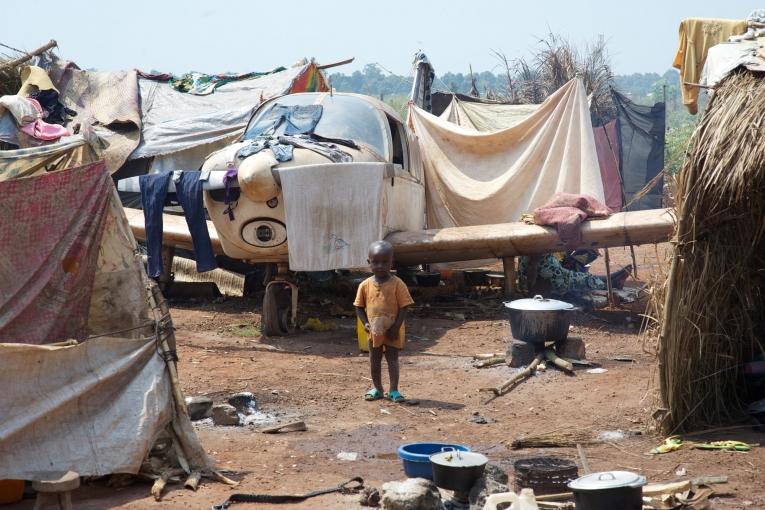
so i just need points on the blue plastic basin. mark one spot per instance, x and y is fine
(416, 457)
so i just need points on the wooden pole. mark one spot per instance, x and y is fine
(42, 49)
(508, 265)
(608, 280)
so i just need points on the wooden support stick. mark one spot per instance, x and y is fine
(220, 477)
(505, 387)
(295, 426)
(558, 362)
(634, 262)
(508, 265)
(192, 482)
(583, 459)
(42, 49)
(497, 360)
(161, 481)
(608, 280)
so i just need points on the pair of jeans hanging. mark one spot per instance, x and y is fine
(188, 191)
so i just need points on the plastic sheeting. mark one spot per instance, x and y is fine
(106, 102)
(333, 213)
(97, 407)
(94, 408)
(641, 133)
(70, 151)
(487, 116)
(607, 145)
(483, 178)
(174, 121)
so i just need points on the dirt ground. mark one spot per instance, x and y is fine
(320, 378)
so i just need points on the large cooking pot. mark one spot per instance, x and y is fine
(456, 470)
(539, 320)
(608, 490)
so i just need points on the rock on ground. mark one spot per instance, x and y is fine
(225, 415)
(493, 481)
(244, 402)
(199, 408)
(411, 494)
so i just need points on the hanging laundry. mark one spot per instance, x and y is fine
(566, 211)
(40, 129)
(297, 120)
(201, 84)
(189, 195)
(54, 111)
(697, 35)
(22, 109)
(328, 150)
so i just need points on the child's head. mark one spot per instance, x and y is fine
(380, 257)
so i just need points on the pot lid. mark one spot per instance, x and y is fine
(607, 480)
(450, 457)
(539, 303)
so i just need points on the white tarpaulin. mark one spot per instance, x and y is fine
(174, 121)
(477, 178)
(333, 214)
(486, 116)
(94, 408)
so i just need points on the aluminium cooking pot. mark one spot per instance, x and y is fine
(608, 490)
(539, 320)
(456, 470)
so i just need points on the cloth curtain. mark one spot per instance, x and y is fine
(475, 178)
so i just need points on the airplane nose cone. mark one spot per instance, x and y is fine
(255, 178)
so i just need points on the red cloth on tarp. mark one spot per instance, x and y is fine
(607, 147)
(50, 233)
(566, 211)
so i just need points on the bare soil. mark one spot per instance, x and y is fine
(321, 377)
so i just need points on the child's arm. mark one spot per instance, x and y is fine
(361, 313)
(392, 332)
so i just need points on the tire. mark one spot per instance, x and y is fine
(277, 310)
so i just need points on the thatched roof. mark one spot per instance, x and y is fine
(712, 320)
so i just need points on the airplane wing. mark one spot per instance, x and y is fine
(471, 243)
(513, 239)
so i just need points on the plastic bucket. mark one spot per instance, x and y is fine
(416, 457)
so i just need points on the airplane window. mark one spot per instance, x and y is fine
(398, 145)
(344, 117)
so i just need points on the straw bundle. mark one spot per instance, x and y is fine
(712, 315)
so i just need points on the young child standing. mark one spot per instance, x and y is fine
(381, 303)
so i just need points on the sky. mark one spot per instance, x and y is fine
(241, 36)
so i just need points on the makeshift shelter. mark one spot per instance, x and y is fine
(87, 364)
(641, 136)
(630, 147)
(711, 321)
(179, 130)
(475, 178)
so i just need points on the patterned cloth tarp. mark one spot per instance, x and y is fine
(69, 268)
(50, 234)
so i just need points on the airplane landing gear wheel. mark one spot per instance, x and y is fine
(277, 309)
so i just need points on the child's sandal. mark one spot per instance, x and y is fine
(395, 396)
(373, 394)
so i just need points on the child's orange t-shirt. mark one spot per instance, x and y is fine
(382, 303)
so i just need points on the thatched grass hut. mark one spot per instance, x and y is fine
(713, 310)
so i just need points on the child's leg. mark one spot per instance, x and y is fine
(391, 356)
(375, 365)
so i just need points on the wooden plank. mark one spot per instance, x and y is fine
(175, 231)
(508, 266)
(513, 239)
